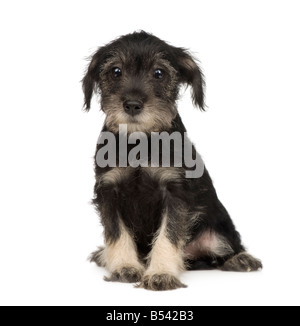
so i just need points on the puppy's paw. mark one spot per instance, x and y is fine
(242, 262)
(98, 257)
(161, 282)
(126, 275)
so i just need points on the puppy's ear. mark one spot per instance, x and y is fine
(91, 78)
(191, 74)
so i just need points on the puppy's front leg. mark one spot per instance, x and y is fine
(165, 259)
(121, 258)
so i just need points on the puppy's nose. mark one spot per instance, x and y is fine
(133, 107)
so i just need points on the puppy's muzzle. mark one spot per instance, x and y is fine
(133, 107)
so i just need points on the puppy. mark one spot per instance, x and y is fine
(158, 220)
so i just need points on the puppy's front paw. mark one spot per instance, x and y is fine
(161, 282)
(126, 275)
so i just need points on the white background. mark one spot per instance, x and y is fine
(249, 139)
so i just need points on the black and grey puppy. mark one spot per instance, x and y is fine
(156, 221)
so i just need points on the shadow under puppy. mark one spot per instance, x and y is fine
(156, 221)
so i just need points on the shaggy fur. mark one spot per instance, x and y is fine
(156, 222)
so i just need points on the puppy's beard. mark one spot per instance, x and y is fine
(114, 119)
(151, 119)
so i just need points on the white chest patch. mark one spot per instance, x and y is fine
(116, 175)
(165, 175)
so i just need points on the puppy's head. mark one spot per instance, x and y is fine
(138, 77)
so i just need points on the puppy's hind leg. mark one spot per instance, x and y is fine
(219, 252)
(242, 262)
(98, 257)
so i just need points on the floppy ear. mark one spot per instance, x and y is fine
(191, 74)
(91, 78)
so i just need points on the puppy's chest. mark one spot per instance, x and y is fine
(140, 179)
(140, 191)
(140, 196)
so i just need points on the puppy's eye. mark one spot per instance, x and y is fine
(158, 74)
(116, 72)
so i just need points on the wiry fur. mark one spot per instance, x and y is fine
(156, 221)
